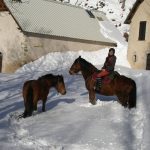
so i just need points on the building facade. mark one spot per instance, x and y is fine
(56, 28)
(139, 36)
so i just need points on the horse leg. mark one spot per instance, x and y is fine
(92, 98)
(35, 107)
(44, 99)
(43, 106)
(35, 101)
(25, 114)
(122, 99)
(132, 97)
(125, 101)
(28, 100)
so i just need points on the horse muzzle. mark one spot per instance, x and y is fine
(71, 72)
(63, 93)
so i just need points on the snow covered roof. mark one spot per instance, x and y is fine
(57, 19)
(133, 11)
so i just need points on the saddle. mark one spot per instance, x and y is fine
(105, 80)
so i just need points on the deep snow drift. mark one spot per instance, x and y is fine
(70, 122)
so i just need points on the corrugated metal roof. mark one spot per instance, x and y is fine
(55, 18)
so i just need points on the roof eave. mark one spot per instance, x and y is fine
(103, 43)
(19, 27)
(133, 11)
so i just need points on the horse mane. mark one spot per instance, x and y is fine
(87, 65)
(54, 78)
(47, 76)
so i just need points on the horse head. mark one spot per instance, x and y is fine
(81, 64)
(76, 66)
(60, 86)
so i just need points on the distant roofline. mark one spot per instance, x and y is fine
(63, 3)
(133, 11)
(70, 5)
(28, 34)
(105, 43)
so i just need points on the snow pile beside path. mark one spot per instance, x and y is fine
(59, 60)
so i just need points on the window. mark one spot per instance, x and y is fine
(134, 58)
(90, 13)
(100, 19)
(142, 30)
(148, 62)
(1, 59)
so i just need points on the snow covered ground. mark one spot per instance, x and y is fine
(70, 122)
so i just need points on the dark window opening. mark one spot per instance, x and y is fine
(90, 13)
(100, 19)
(142, 30)
(1, 59)
(148, 62)
(134, 58)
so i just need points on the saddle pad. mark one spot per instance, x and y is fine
(107, 79)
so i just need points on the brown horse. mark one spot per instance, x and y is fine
(123, 87)
(35, 90)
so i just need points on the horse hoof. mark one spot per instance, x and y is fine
(93, 103)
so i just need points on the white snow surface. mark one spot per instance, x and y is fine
(70, 121)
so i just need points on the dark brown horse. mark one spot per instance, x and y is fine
(35, 90)
(123, 87)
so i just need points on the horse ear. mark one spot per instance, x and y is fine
(58, 77)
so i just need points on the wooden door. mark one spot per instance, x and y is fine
(148, 62)
(1, 60)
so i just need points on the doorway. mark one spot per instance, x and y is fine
(148, 62)
(1, 60)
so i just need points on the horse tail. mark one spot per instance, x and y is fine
(29, 101)
(132, 96)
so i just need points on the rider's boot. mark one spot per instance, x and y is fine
(98, 84)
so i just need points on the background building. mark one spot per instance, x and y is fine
(49, 26)
(139, 37)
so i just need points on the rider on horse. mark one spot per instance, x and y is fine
(106, 69)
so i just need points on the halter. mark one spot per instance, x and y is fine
(59, 78)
